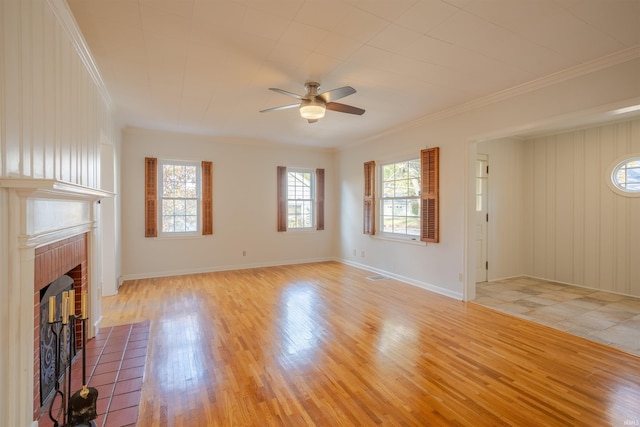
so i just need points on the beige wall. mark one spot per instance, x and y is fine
(449, 266)
(244, 206)
(579, 230)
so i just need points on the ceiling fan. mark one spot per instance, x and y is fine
(313, 104)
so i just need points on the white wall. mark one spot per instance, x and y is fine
(550, 103)
(244, 206)
(581, 232)
(52, 114)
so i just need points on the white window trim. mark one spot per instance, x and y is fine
(610, 175)
(380, 233)
(180, 234)
(314, 207)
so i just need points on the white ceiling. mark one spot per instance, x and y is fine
(205, 66)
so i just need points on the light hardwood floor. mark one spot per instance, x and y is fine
(319, 344)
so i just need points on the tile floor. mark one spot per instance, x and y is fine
(603, 317)
(116, 360)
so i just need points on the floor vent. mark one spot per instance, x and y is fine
(376, 278)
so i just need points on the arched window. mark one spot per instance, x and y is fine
(625, 176)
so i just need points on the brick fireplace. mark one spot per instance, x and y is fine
(48, 228)
(68, 256)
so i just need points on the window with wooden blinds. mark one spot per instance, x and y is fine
(282, 198)
(369, 220)
(429, 163)
(320, 199)
(207, 198)
(150, 197)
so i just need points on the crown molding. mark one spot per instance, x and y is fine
(64, 16)
(607, 61)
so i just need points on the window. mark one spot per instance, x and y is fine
(179, 185)
(410, 202)
(625, 176)
(300, 199)
(400, 198)
(178, 196)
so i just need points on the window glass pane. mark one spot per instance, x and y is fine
(414, 187)
(190, 189)
(167, 207)
(399, 225)
(402, 170)
(180, 207)
(167, 223)
(387, 189)
(191, 223)
(633, 187)
(414, 169)
(401, 188)
(387, 207)
(633, 175)
(387, 224)
(414, 206)
(191, 207)
(413, 226)
(179, 223)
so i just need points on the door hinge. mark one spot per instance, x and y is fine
(486, 265)
(487, 169)
(487, 217)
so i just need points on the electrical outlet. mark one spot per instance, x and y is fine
(362, 254)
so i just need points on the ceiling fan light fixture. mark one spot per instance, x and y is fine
(312, 109)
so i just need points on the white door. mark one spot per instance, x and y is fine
(482, 216)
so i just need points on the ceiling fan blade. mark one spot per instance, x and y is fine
(284, 107)
(335, 94)
(343, 108)
(285, 92)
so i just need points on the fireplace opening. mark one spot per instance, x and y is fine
(48, 341)
(67, 257)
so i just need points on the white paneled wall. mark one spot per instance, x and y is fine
(53, 112)
(580, 231)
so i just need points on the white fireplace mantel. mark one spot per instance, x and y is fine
(38, 212)
(53, 188)
(49, 210)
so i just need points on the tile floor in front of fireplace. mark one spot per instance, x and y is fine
(116, 360)
(604, 317)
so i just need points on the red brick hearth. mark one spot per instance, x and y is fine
(68, 256)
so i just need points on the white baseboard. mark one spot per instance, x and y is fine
(427, 286)
(222, 268)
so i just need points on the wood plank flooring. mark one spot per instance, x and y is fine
(320, 345)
